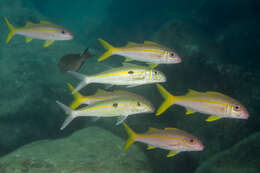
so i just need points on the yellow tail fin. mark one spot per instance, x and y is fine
(78, 98)
(132, 136)
(109, 52)
(169, 100)
(12, 30)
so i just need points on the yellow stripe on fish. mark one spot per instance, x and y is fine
(149, 52)
(169, 142)
(44, 31)
(215, 104)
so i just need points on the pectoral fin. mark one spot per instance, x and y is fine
(48, 43)
(189, 111)
(212, 118)
(172, 153)
(149, 147)
(151, 65)
(28, 39)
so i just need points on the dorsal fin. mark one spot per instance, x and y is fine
(151, 43)
(45, 22)
(154, 44)
(130, 44)
(192, 92)
(100, 91)
(170, 128)
(153, 130)
(29, 24)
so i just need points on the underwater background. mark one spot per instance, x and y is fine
(219, 44)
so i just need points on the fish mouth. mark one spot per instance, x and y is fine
(71, 36)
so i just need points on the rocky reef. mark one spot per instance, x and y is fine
(87, 151)
(242, 157)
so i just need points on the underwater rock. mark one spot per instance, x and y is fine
(86, 151)
(242, 157)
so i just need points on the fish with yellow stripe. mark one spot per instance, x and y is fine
(150, 52)
(130, 75)
(44, 31)
(100, 95)
(121, 107)
(215, 104)
(172, 139)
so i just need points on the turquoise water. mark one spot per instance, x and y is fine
(217, 41)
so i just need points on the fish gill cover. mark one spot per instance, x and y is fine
(217, 41)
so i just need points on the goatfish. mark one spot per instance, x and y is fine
(150, 52)
(129, 74)
(122, 107)
(171, 139)
(100, 95)
(44, 31)
(215, 104)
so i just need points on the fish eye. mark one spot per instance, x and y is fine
(63, 32)
(155, 72)
(172, 54)
(191, 140)
(138, 104)
(237, 108)
(130, 72)
(115, 105)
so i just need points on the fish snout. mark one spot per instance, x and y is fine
(71, 36)
(244, 114)
(175, 60)
(199, 146)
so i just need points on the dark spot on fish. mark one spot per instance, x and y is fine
(130, 72)
(138, 104)
(63, 32)
(115, 105)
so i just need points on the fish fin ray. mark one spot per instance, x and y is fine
(47, 43)
(132, 136)
(151, 129)
(100, 91)
(128, 60)
(121, 119)
(69, 111)
(84, 80)
(189, 111)
(172, 153)
(45, 22)
(192, 92)
(170, 128)
(109, 52)
(130, 44)
(149, 147)
(169, 99)
(29, 24)
(151, 65)
(28, 39)
(12, 30)
(213, 118)
(78, 98)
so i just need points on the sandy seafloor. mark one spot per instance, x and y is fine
(218, 42)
